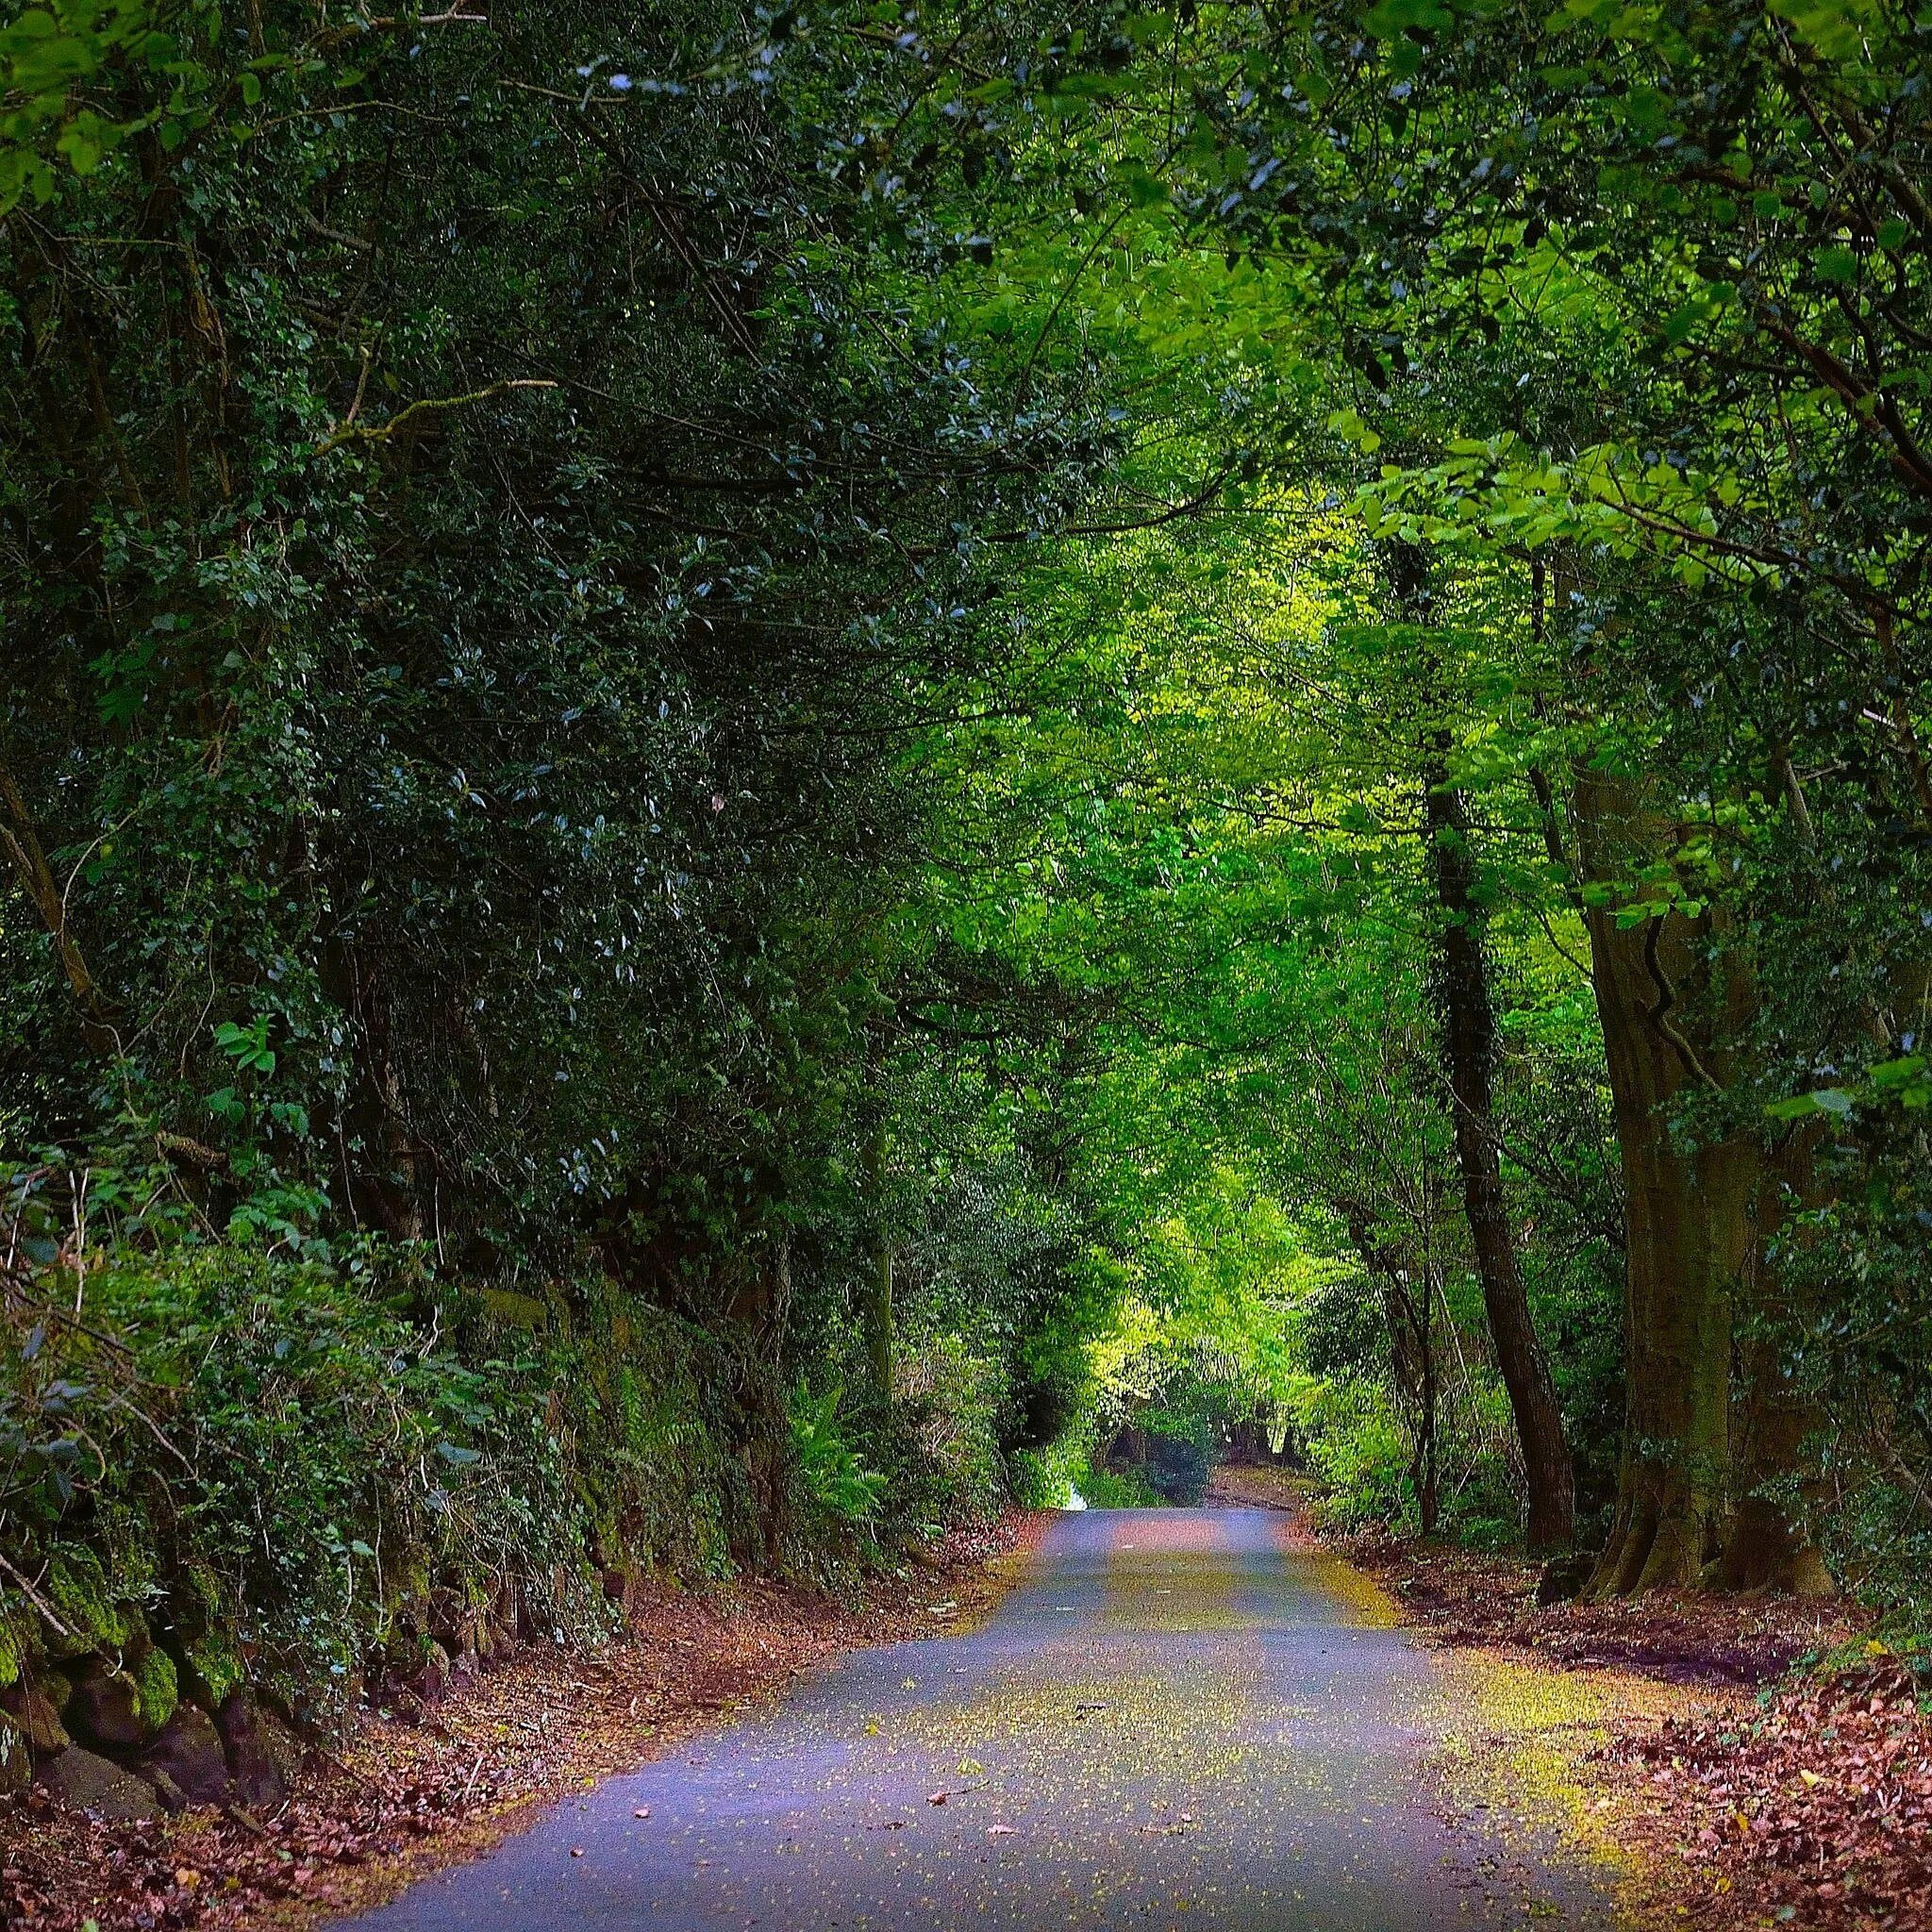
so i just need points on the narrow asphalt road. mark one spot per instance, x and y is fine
(1171, 1723)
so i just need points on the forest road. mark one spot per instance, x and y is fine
(1170, 1723)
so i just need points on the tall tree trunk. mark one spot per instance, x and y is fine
(1469, 1053)
(1692, 1207)
(1764, 1547)
(1426, 1472)
(1469, 1042)
(760, 1308)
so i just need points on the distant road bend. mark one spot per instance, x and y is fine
(1168, 1723)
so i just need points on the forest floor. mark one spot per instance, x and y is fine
(1753, 1761)
(407, 1793)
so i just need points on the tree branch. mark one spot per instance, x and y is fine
(358, 432)
(23, 846)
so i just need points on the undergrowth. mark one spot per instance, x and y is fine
(220, 1466)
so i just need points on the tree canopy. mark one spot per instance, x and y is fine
(894, 746)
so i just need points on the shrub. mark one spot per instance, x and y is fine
(1112, 1488)
(1046, 1478)
(951, 1398)
(231, 1450)
(831, 1475)
(1356, 1447)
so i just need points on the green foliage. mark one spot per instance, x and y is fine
(277, 1457)
(1046, 1478)
(675, 657)
(1355, 1443)
(457, 689)
(1102, 1488)
(56, 65)
(832, 1476)
(939, 1444)
(312, 1465)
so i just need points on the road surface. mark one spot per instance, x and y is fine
(1168, 1724)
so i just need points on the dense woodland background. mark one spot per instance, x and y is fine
(764, 775)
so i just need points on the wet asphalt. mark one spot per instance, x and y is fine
(1168, 1723)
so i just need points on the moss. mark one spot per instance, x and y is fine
(217, 1665)
(203, 1587)
(78, 1591)
(1530, 1740)
(515, 1311)
(14, 1650)
(156, 1685)
(409, 1595)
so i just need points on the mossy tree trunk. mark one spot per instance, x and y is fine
(1772, 1415)
(1764, 1547)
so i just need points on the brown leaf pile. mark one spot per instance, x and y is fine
(417, 1787)
(1814, 1809)
(1681, 1637)
(1260, 1486)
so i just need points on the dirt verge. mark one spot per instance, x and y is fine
(412, 1791)
(1260, 1486)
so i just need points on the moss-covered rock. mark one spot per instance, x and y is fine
(419, 1491)
(34, 1704)
(77, 1588)
(202, 1640)
(16, 1646)
(215, 1667)
(120, 1709)
(157, 1685)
